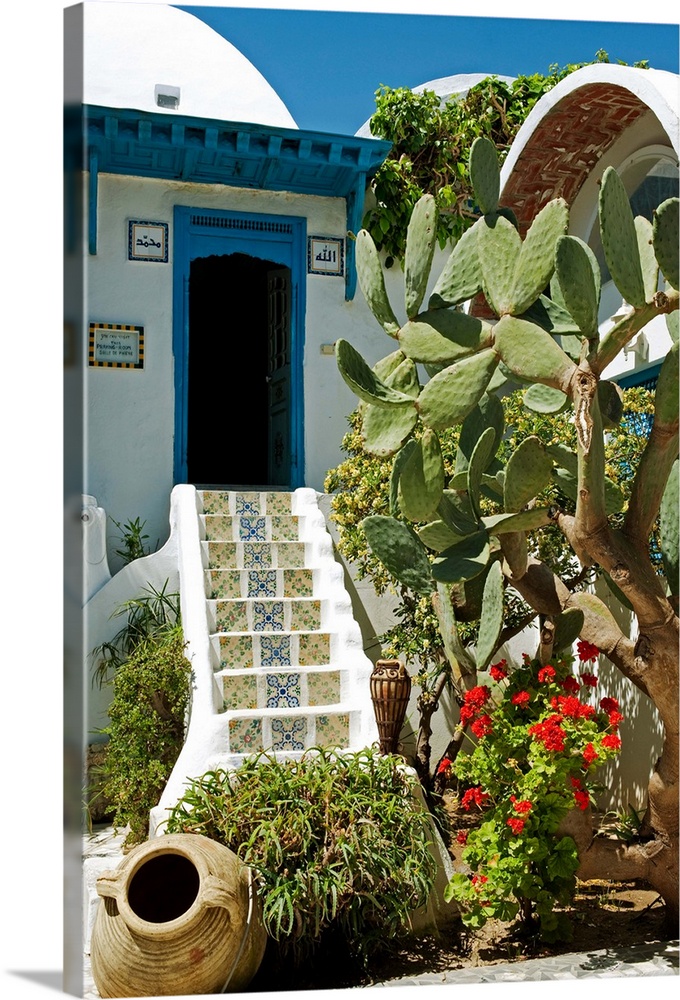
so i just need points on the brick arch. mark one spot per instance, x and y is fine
(565, 146)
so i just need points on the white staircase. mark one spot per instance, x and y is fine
(277, 655)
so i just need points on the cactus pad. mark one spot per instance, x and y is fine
(610, 401)
(421, 237)
(384, 431)
(524, 520)
(461, 276)
(363, 381)
(526, 474)
(669, 527)
(665, 237)
(483, 453)
(448, 398)
(400, 551)
(491, 618)
(648, 262)
(536, 262)
(576, 269)
(499, 246)
(619, 238)
(372, 283)
(531, 353)
(544, 399)
(463, 560)
(668, 389)
(568, 627)
(422, 479)
(485, 174)
(442, 336)
(487, 413)
(437, 536)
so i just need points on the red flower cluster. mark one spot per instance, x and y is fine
(611, 741)
(498, 671)
(474, 701)
(589, 755)
(549, 733)
(590, 680)
(581, 796)
(611, 707)
(516, 825)
(586, 651)
(571, 684)
(479, 880)
(546, 674)
(571, 707)
(521, 699)
(482, 726)
(474, 796)
(523, 806)
(462, 836)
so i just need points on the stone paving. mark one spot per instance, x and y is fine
(102, 850)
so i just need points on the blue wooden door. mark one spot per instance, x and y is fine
(239, 333)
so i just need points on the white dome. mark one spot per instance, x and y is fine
(131, 48)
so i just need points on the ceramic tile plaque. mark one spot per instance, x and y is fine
(113, 345)
(148, 241)
(325, 255)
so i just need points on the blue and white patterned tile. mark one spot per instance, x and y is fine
(268, 616)
(262, 583)
(252, 529)
(283, 691)
(248, 504)
(289, 734)
(256, 555)
(275, 651)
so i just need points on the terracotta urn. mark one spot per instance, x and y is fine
(390, 692)
(180, 915)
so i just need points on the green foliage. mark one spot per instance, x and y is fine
(431, 143)
(133, 538)
(153, 615)
(340, 843)
(151, 691)
(539, 735)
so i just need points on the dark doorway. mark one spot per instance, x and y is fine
(228, 403)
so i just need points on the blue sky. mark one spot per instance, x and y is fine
(327, 64)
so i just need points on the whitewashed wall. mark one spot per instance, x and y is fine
(130, 414)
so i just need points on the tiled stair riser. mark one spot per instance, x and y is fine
(272, 650)
(249, 615)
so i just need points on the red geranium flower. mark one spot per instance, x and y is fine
(498, 671)
(473, 796)
(614, 719)
(612, 741)
(571, 684)
(482, 726)
(516, 825)
(609, 704)
(589, 755)
(462, 836)
(479, 880)
(524, 806)
(587, 651)
(444, 765)
(521, 699)
(549, 733)
(581, 798)
(590, 680)
(546, 674)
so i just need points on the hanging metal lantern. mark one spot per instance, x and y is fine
(390, 691)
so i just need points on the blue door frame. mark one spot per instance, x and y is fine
(201, 232)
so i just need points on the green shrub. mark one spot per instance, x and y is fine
(339, 840)
(151, 691)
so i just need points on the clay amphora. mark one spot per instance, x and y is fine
(180, 915)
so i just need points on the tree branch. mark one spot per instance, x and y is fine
(650, 482)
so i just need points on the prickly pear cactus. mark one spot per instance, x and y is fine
(545, 292)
